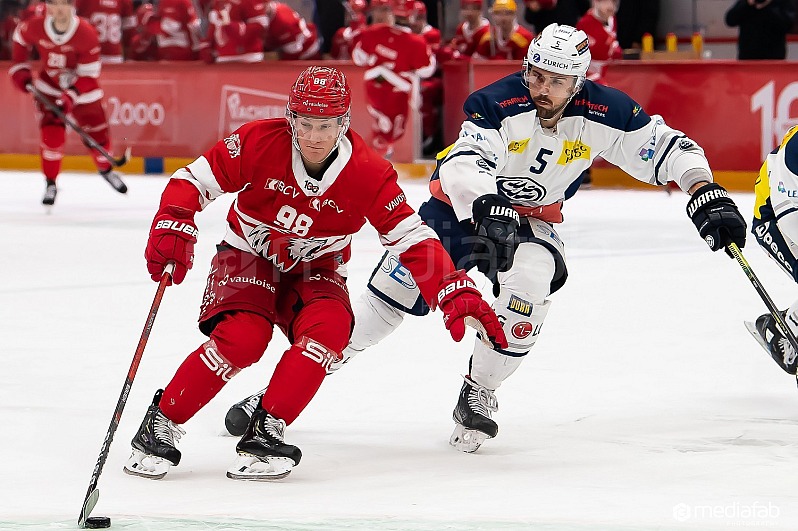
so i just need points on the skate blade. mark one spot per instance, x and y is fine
(146, 466)
(751, 326)
(247, 467)
(467, 440)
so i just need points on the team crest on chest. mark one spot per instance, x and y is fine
(286, 250)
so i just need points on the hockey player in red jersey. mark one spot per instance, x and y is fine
(599, 25)
(70, 69)
(235, 32)
(305, 184)
(344, 38)
(471, 29)
(115, 23)
(506, 40)
(290, 35)
(420, 26)
(396, 60)
(169, 31)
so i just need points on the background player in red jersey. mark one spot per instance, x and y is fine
(115, 23)
(396, 60)
(169, 31)
(305, 184)
(507, 39)
(344, 38)
(290, 35)
(472, 27)
(235, 32)
(599, 25)
(70, 69)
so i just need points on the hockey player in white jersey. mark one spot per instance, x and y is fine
(497, 194)
(775, 227)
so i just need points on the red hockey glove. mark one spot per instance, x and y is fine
(22, 79)
(458, 298)
(172, 238)
(67, 101)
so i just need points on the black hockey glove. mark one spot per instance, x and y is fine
(497, 234)
(716, 217)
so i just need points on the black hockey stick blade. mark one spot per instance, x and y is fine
(88, 507)
(121, 161)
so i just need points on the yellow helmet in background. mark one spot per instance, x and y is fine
(504, 5)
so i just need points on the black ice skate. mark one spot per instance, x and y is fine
(472, 415)
(263, 455)
(237, 418)
(114, 180)
(768, 334)
(154, 448)
(50, 191)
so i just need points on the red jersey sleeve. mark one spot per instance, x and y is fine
(88, 65)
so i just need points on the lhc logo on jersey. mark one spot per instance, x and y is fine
(520, 189)
(285, 250)
(233, 145)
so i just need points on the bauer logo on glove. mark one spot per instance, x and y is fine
(177, 226)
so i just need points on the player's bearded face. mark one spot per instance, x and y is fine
(550, 92)
(316, 137)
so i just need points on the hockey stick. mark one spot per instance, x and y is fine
(89, 141)
(737, 254)
(93, 493)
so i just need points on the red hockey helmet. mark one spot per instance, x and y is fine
(320, 92)
(380, 3)
(476, 3)
(358, 6)
(402, 8)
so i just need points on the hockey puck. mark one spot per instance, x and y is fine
(98, 522)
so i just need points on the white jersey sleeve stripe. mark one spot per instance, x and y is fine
(407, 233)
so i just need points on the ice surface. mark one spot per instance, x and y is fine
(644, 405)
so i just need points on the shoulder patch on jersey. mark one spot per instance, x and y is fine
(233, 144)
(572, 151)
(518, 146)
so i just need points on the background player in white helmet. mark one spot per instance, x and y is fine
(497, 195)
(775, 227)
(305, 184)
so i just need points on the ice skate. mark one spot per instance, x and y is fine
(154, 450)
(262, 453)
(767, 333)
(114, 180)
(472, 417)
(237, 418)
(50, 191)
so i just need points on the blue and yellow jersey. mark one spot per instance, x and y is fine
(776, 186)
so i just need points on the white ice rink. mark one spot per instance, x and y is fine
(644, 405)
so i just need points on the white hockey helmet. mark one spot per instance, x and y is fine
(560, 49)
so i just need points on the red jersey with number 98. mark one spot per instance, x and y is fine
(298, 222)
